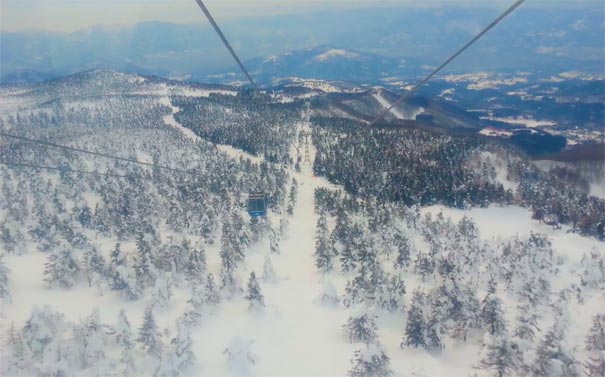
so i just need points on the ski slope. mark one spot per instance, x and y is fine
(294, 335)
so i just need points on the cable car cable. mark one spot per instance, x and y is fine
(12, 164)
(508, 11)
(72, 149)
(225, 41)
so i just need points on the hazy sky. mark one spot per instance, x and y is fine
(70, 15)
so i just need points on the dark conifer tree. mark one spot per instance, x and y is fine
(361, 328)
(371, 362)
(253, 293)
(491, 310)
(149, 336)
(61, 269)
(415, 328)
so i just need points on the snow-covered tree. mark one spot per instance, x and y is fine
(415, 328)
(404, 249)
(253, 293)
(41, 329)
(274, 241)
(161, 292)
(93, 264)
(179, 356)
(491, 310)
(361, 328)
(323, 250)
(553, 358)
(93, 336)
(5, 296)
(211, 295)
(370, 362)
(269, 275)
(61, 269)
(19, 360)
(124, 280)
(145, 260)
(498, 355)
(527, 323)
(595, 345)
(435, 328)
(196, 269)
(123, 340)
(149, 336)
(230, 254)
(328, 295)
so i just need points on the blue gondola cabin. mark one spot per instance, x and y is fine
(257, 205)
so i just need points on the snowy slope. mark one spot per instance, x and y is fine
(294, 334)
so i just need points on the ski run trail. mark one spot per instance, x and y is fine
(292, 335)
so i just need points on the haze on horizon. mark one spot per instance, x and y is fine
(73, 15)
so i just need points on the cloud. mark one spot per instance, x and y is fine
(553, 51)
(580, 25)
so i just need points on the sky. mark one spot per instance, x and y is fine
(72, 15)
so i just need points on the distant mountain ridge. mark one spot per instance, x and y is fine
(364, 44)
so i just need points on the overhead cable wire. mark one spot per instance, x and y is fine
(508, 11)
(225, 41)
(72, 149)
(66, 170)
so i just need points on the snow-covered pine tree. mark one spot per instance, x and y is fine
(161, 292)
(595, 341)
(253, 293)
(196, 268)
(40, 329)
(123, 340)
(434, 328)
(274, 241)
(94, 343)
(595, 345)
(498, 354)
(145, 261)
(323, 252)
(491, 310)
(19, 360)
(361, 328)
(117, 258)
(195, 305)
(552, 358)
(5, 296)
(393, 292)
(211, 295)
(370, 362)
(328, 295)
(415, 328)
(149, 336)
(124, 281)
(230, 255)
(61, 269)
(93, 264)
(179, 356)
(404, 249)
(424, 265)
(527, 323)
(347, 257)
(269, 275)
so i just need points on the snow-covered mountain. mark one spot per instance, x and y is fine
(328, 63)
(392, 251)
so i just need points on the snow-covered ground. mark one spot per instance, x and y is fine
(294, 335)
(523, 121)
(396, 111)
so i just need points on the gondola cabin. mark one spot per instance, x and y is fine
(257, 205)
